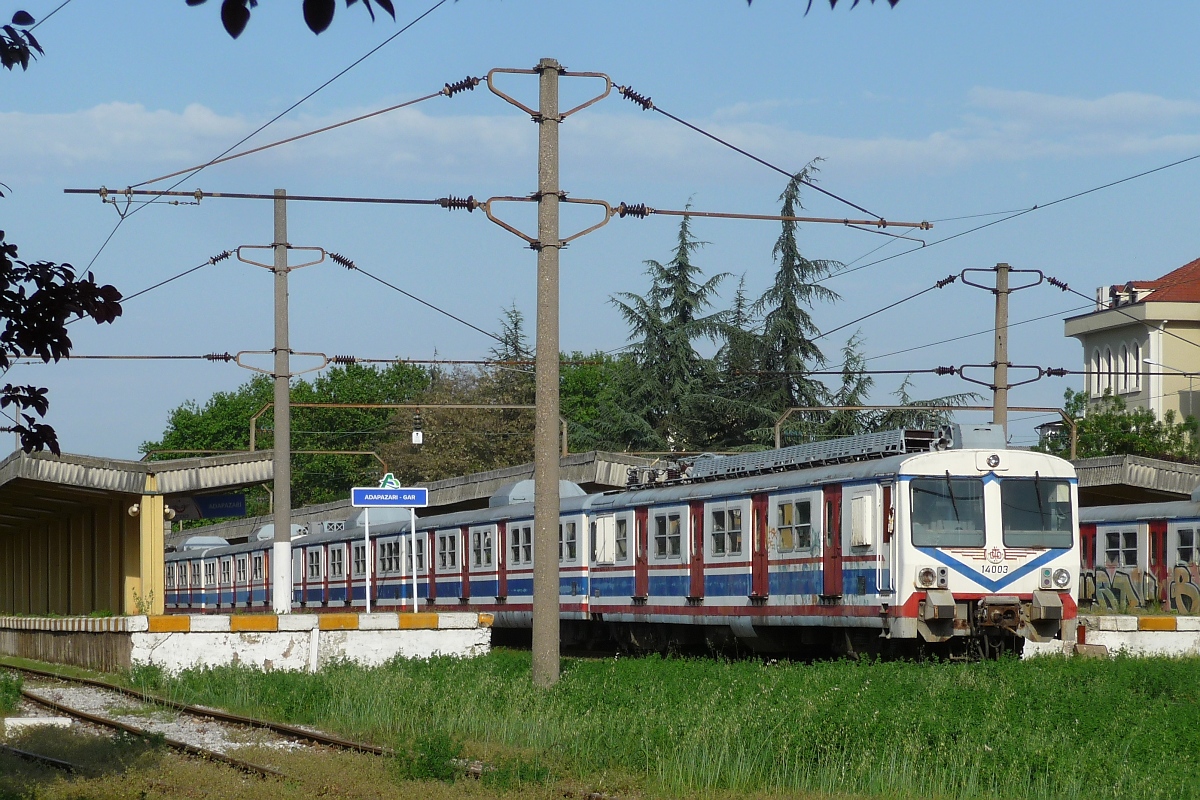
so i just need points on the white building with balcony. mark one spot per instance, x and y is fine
(1142, 342)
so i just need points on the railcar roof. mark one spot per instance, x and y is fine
(1185, 509)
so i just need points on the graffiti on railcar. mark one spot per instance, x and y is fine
(1183, 595)
(1119, 589)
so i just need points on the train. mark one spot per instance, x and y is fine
(942, 541)
(1142, 557)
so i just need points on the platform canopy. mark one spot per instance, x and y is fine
(80, 534)
(1116, 480)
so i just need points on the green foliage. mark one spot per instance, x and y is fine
(10, 691)
(436, 757)
(1109, 427)
(1010, 728)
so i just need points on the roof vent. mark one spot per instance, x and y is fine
(522, 492)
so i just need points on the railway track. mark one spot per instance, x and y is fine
(290, 733)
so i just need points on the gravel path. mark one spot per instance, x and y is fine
(220, 737)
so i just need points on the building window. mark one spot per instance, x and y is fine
(667, 537)
(1094, 379)
(1121, 549)
(170, 576)
(622, 539)
(360, 559)
(1124, 367)
(521, 545)
(1135, 367)
(795, 526)
(725, 532)
(225, 569)
(568, 542)
(448, 552)
(241, 570)
(314, 565)
(1110, 378)
(337, 563)
(257, 572)
(1186, 552)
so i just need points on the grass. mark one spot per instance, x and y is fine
(1045, 728)
(10, 691)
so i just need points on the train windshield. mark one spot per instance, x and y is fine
(1036, 512)
(947, 512)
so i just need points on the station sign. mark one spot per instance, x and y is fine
(389, 494)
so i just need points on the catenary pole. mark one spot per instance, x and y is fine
(281, 554)
(1000, 367)
(545, 438)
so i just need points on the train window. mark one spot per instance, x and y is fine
(947, 512)
(210, 573)
(226, 566)
(314, 564)
(337, 563)
(725, 531)
(862, 522)
(794, 526)
(389, 557)
(481, 547)
(1120, 548)
(360, 559)
(408, 556)
(604, 539)
(568, 542)
(622, 539)
(666, 536)
(240, 571)
(1186, 551)
(169, 577)
(257, 573)
(448, 551)
(1036, 513)
(521, 545)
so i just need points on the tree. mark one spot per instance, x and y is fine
(1109, 427)
(17, 46)
(788, 328)
(663, 325)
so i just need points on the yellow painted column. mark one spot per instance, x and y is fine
(152, 550)
(131, 563)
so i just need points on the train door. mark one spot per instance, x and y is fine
(887, 555)
(760, 585)
(501, 563)
(431, 564)
(831, 547)
(641, 556)
(1158, 557)
(464, 563)
(696, 544)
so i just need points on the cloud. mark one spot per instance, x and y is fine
(489, 152)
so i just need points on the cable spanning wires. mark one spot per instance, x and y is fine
(940, 284)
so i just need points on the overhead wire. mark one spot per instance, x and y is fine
(51, 14)
(276, 118)
(940, 284)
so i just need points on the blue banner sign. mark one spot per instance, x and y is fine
(221, 505)
(374, 497)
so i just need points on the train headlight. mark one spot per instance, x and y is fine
(926, 577)
(1062, 579)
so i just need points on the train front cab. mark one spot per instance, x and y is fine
(987, 550)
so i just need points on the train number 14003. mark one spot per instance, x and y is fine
(995, 569)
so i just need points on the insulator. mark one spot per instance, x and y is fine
(465, 85)
(1056, 372)
(945, 370)
(343, 360)
(1057, 283)
(340, 259)
(219, 357)
(638, 210)
(450, 203)
(629, 94)
(224, 255)
(949, 279)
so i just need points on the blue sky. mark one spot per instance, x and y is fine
(926, 111)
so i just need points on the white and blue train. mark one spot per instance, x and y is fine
(859, 544)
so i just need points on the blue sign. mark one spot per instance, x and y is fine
(221, 505)
(374, 497)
